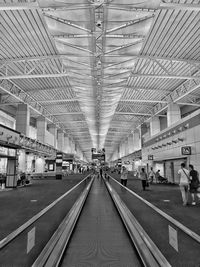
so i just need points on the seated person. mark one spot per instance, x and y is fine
(159, 178)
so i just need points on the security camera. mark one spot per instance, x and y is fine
(99, 23)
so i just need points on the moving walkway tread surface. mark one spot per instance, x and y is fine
(100, 238)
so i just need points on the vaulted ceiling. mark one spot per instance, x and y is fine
(99, 68)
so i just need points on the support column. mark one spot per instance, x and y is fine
(53, 130)
(130, 144)
(123, 149)
(70, 145)
(126, 148)
(60, 140)
(23, 119)
(66, 144)
(173, 114)
(137, 140)
(154, 125)
(41, 129)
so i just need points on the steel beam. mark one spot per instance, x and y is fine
(179, 6)
(50, 101)
(62, 56)
(67, 22)
(134, 114)
(67, 113)
(130, 23)
(58, 75)
(183, 90)
(163, 5)
(12, 89)
(19, 5)
(159, 101)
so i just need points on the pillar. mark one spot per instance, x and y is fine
(137, 140)
(60, 140)
(53, 130)
(126, 152)
(23, 119)
(41, 129)
(130, 144)
(154, 125)
(173, 114)
(67, 148)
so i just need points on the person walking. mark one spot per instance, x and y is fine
(101, 172)
(194, 183)
(151, 175)
(124, 176)
(143, 177)
(184, 176)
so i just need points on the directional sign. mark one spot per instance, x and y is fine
(98, 156)
(186, 150)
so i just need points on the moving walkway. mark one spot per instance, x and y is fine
(93, 234)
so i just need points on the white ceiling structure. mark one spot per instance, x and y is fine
(99, 68)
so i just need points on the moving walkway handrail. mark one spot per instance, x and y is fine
(20, 229)
(54, 249)
(163, 214)
(148, 251)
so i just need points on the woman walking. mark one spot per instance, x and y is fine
(194, 183)
(143, 177)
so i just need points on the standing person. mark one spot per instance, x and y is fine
(101, 172)
(157, 175)
(194, 183)
(184, 175)
(124, 176)
(151, 175)
(98, 172)
(143, 177)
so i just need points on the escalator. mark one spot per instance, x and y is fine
(100, 238)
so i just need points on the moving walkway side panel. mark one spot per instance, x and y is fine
(100, 238)
(177, 246)
(22, 247)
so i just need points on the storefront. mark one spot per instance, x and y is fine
(9, 143)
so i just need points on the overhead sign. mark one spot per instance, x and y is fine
(119, 162)
(98, 156)
(186, 150)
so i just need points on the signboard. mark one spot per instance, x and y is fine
(150, 157)
(30, 240)
(65, 163)
(173, 240)
(98, 156)
(186, 150)
(119, 162)
(59, 160)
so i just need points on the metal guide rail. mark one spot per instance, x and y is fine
(53, 252)
(150, 254)
(16, 243)
(172, 237)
